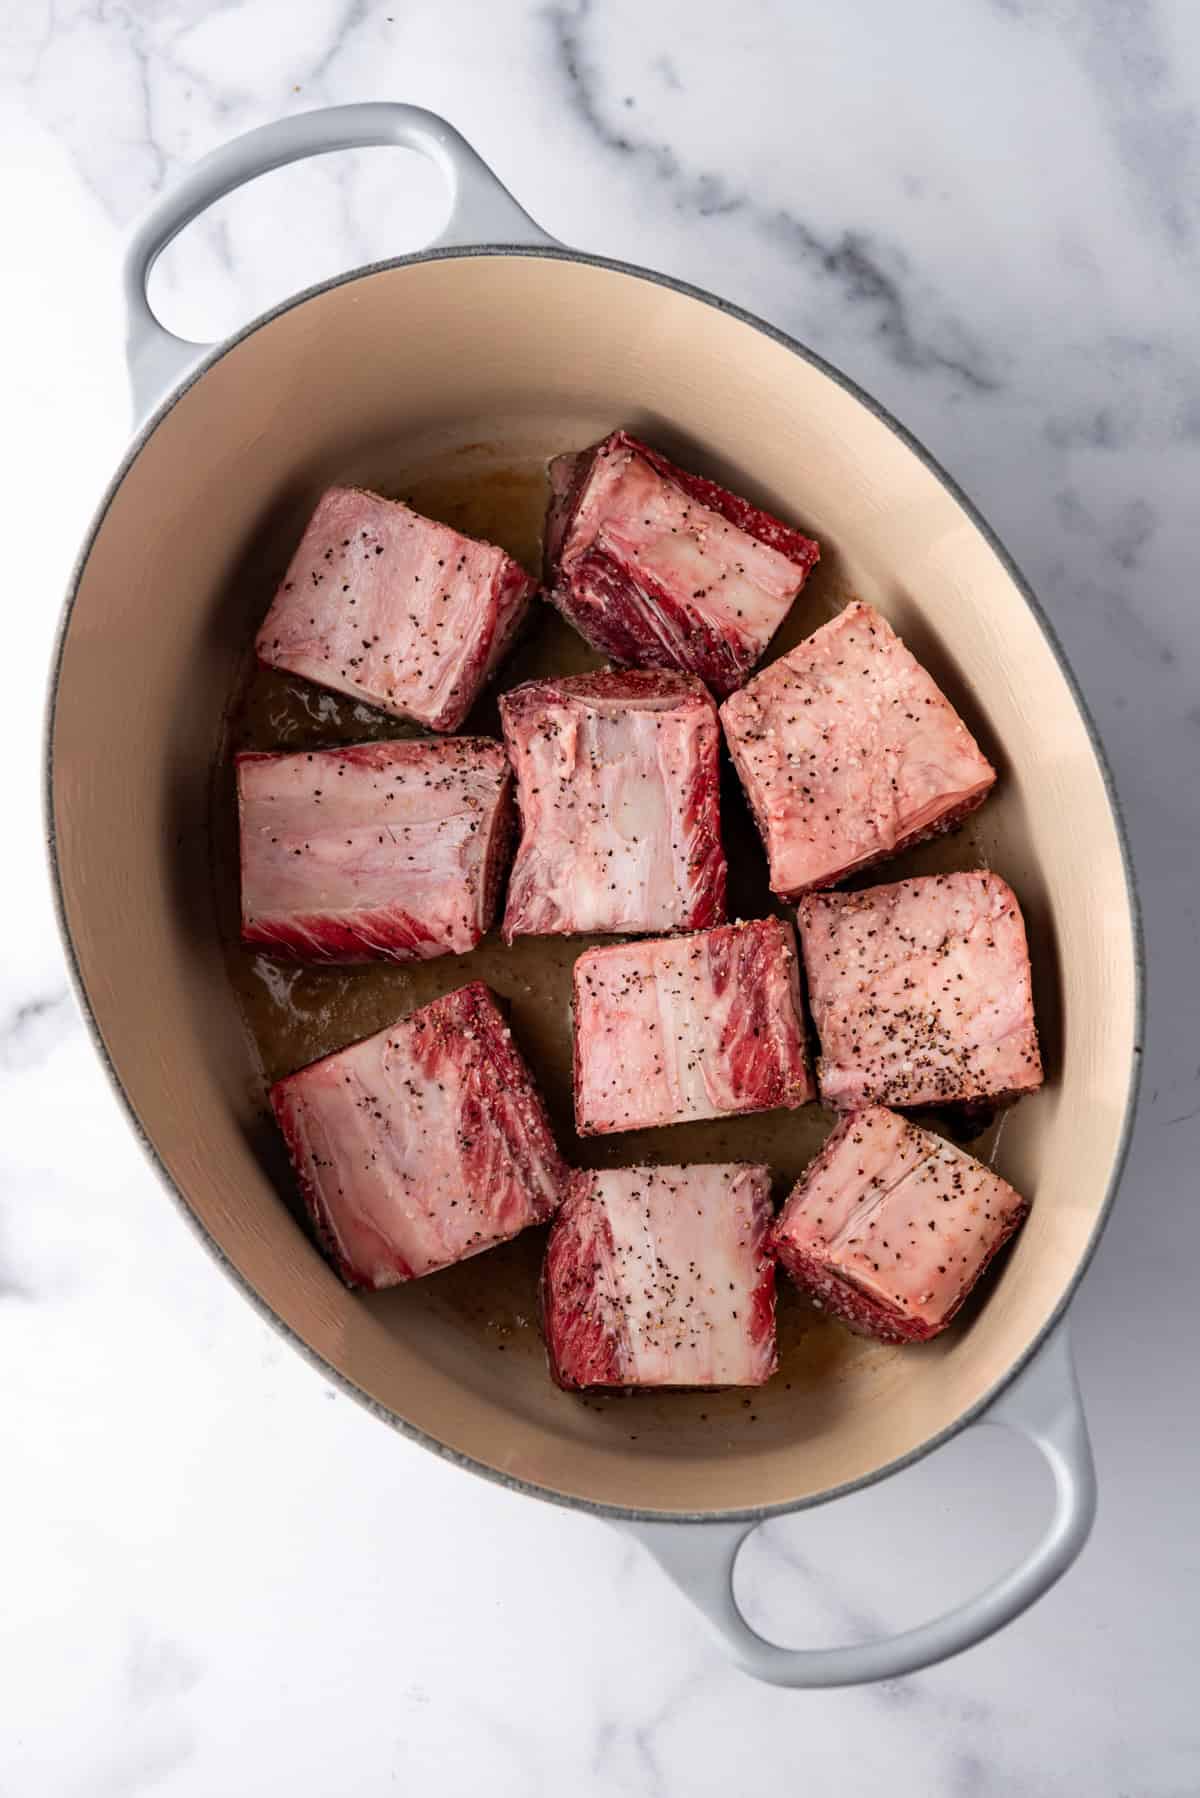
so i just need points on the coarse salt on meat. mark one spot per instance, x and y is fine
(890, 1227)
(422, 1145)
(394, 609)
(619, 798)
(849, 752)
(689, 1027)
(660, 568)
(920, 992)
(662, 1276)
(391, 850)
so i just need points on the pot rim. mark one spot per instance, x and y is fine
(625, 1513)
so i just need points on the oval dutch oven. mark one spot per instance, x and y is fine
(498, 330)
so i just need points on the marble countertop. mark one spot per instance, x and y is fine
(220, 1575)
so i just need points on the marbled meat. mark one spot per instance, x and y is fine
(421, 1145)
(662, 1276)
(619, 801)
(394, 609)
(890, 1227)
(392, 850)
(660, 568)
(921, 992)
(689, 1027)
(849, 752)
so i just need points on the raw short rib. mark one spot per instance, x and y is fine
(890, 1227)
(394, 609)
(618, 791)
(689, 1027)
(662, 1276)
(849, 752)
(421, 1145)
(659, 568)
(392, 850)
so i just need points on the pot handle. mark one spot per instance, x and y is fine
(1042, 1404)
(482, 211)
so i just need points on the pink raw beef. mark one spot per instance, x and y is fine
(391, 850)
(660, 568)
(920, 992)
(394, 609)
(890, 1227)
(662, 1276)
(421, 1145)
(618, 791)
(849, 752)
(689, 1027)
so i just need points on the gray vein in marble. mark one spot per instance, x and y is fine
(19, 55)
(1099, 425)
(141, 57)
(33, 1029)
(1121, 537)
(968, 1775)
(354, 14)
(501, 1732)
(1129, 625)
(855, 1624)
(158, 1668)
(1121, 391)
(607, 1743)
(872, 277)
(1121, 48)
(856, 262)
(57, 34)
(1116, 543)
(664, 66)
(619, 1748)
(222, 243)
(11, 1287)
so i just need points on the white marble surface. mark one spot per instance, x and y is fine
(219, 1576)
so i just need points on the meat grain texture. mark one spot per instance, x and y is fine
(890, 1227)
(659, 568)
(378, 850)
(921, 992)
(662, 1276)
(394, 609)
(618, 793)
(421, 1145)
(849, 752)
(689, 1027)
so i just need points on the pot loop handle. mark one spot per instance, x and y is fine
(1042, 1404)
(482, 211)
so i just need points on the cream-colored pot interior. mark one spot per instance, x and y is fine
(525, 355)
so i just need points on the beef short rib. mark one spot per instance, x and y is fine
(618, 793)
(423, 1144)
(659, 568)
(394, 609)
(890, 1227)
(392, 850)
(689, 1027)
(661, 1276)
(849, 752)
(920, 992)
